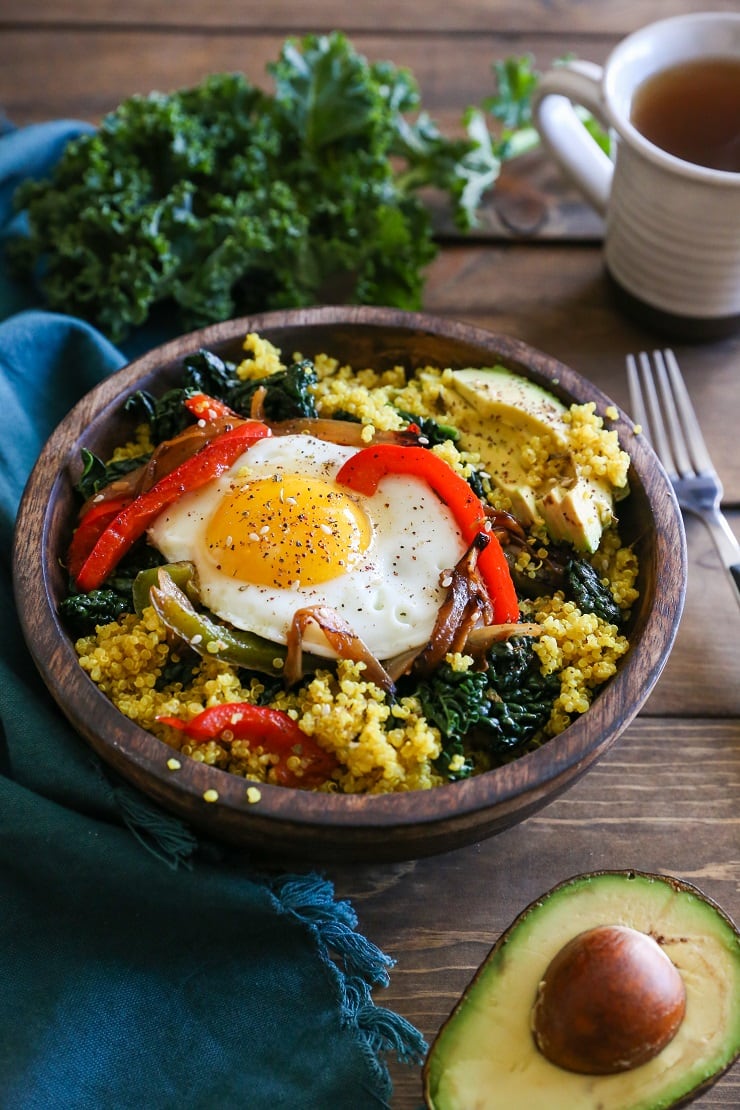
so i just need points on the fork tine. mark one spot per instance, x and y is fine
(637, 401)
(647, 408)
(687, 416)
(675, 430)
(678, 443)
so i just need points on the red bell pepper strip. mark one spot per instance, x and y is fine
(133, 520)
(88, 531)
(204, 407)
(271, 729)
(364, 471)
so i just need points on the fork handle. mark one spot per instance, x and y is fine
(726, 544)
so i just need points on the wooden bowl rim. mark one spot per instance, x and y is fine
(124, 745)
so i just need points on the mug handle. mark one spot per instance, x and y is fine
(563, 133)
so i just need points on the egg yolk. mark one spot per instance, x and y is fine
(287, 531)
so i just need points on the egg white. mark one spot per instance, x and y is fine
(390, 598)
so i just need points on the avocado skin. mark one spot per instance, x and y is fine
(452, 1060)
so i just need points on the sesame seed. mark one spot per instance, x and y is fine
(197, 638)
(201, 423)
(210, 796)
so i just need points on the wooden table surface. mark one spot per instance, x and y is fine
(666, 797)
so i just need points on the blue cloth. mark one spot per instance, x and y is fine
(138, 966)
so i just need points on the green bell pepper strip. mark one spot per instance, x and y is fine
(270, 729)
(364, 471)
(182, 574)
(134, 519)
(211, 639)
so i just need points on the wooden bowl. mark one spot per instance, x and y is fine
(320, 826)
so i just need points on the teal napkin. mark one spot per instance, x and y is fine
(141, 967)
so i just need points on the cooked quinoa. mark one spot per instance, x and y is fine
(381, 744)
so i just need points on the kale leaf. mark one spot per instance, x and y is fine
(288, 393)
(516, 79)
(207, 372)
(83, 612)
(431, 429)
(523, 696)
(178, 669)
(165, 415)
(204, 372)
(454, 702)
(496, 711)
(586, 589)
(96, 474)
(222, 199)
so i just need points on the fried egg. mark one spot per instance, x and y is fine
(276, 533)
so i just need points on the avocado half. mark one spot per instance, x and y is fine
(503, 413)
(485, 1055)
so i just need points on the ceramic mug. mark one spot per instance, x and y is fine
(672, 242)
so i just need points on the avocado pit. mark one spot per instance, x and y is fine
(609, 1001)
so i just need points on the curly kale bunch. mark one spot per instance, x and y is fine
(223, 199)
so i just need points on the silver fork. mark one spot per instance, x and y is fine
(661, 404)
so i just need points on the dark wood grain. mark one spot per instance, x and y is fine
(396, 16)
(87, 72)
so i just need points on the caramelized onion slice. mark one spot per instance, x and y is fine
(347, 433)
(257, 407)
(341, 637)
(462, 621)
(480, 639)
(466, 605)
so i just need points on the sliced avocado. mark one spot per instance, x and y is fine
(485, 1055)
(502, 413)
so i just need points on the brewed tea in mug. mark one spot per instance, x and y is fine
(669, 93)
(692, 110)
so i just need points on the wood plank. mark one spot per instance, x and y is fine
(700, 678)
(87, 72)
(598, 16)
(623, 814)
